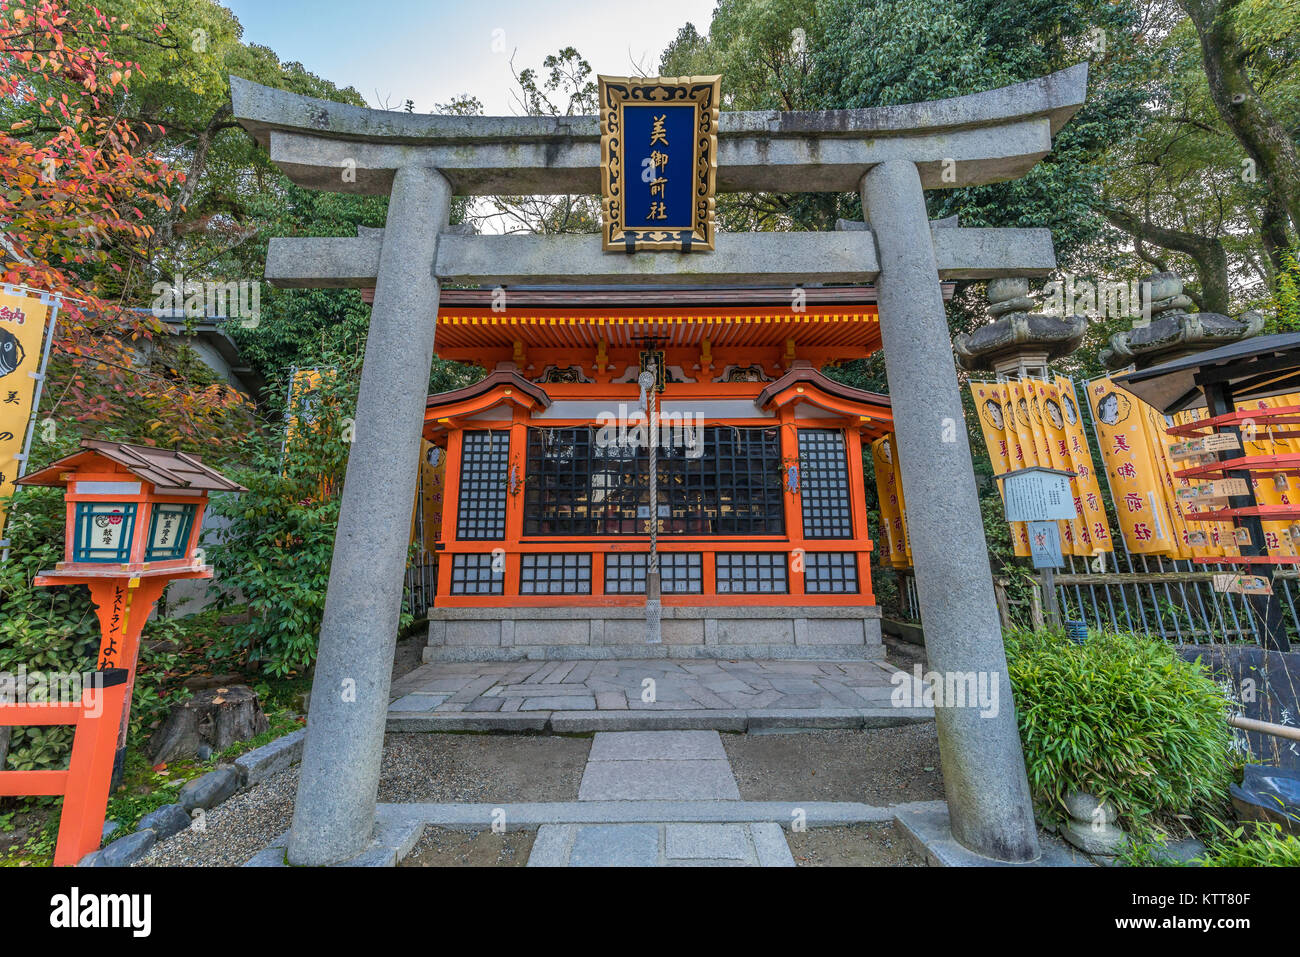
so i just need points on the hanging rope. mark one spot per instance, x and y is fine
(653, 633)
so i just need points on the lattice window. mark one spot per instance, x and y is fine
(566, 573)
(733, 488)
(169, 531)
(680, 573)
(474, 575)
(824, 484)
(105, 531)
(481, 504)
(830, 573)
(577, 485)
(751, 573)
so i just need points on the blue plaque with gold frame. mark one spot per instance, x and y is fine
(658, 149)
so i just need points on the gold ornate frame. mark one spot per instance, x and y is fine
(615, 93)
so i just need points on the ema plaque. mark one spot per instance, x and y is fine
(658, 156)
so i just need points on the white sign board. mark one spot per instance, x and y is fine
(1038, 495)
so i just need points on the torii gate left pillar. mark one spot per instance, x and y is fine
(335, 810)
(890, 154)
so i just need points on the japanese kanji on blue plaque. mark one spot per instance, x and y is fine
(658, 157)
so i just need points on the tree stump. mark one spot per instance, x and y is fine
(217, 717)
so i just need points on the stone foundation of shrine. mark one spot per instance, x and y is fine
(583, 632)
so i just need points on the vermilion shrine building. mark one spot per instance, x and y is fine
(763, 539)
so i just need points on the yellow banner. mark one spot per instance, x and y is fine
(1030, 422)
(1273, 490)
(302, 402)
(22, 341)
(889, 489)
(429, 501)
(1132, 457)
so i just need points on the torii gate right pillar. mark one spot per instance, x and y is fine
(989, 805)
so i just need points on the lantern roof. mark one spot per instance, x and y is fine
(165, 469)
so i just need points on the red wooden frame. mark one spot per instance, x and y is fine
(84, 785)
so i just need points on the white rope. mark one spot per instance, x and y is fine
(648, 381)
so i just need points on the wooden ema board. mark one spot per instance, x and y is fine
(1231, 583)
(1220, 442)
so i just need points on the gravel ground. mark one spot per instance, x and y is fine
(858, 845)
(876, 766)
(435, 768)
(235, 830)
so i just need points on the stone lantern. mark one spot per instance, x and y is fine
(1018, 343)
(1168, 331)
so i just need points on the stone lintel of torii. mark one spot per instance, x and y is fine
(890, 155)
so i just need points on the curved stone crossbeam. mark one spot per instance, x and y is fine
(963, 141)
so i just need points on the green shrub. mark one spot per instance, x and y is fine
(1259, 845)
(1124, 718)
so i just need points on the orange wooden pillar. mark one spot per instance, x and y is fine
(123, 606)
(797, 554)
(450, 509)
(858, 500)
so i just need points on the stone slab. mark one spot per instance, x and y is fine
(551, 845)
(615, 845)
(770, 845)
(708, 842)
(658, 781)
(418, 701)
(259, 764)
(657, 745)
(530, 815)
(575, 722)
(569, 701)
(468, 721)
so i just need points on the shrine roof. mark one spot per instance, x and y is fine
(165, 468)
(851, 327)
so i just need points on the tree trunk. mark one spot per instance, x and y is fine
(1263, 136)
(1272, 233)
(1207, 252)
(217, 717)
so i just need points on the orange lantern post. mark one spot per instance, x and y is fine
(134, 516)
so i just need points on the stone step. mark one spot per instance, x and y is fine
(660, 845)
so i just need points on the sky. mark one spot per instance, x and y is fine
(431, 51)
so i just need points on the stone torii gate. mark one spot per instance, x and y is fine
(889, 154)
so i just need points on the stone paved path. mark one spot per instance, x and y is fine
(659, 766)
(626, 694)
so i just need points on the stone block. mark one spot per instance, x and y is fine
(560, 702)
(657, 745)
(165, 821)
(468, 632)
(210, 789)
(125, 851)
(557, 631)
(832, 631)
(658, 781)
(615, 845)
(551, 846)
(706, 842)
(771, 846)
(756, 631)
